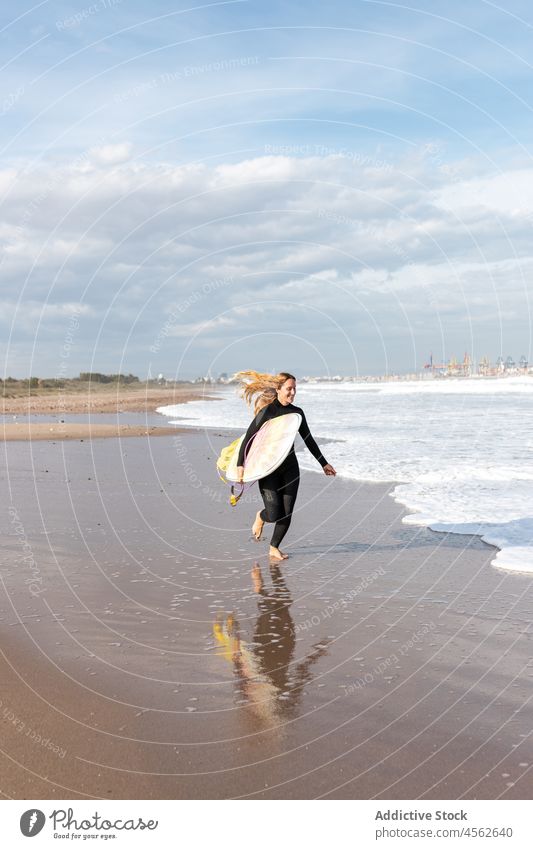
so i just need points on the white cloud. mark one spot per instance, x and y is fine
(110, 154)
(200, 327)
(331, 233)
(511, 192)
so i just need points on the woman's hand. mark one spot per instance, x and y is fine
(329, 470)
(240, 473)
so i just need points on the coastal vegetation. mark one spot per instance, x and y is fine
(11, 387)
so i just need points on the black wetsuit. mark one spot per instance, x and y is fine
(280, 487)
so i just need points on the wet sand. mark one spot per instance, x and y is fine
(31, 430)
(149, 649)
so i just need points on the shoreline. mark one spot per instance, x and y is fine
(231, 433)
(61, 410)
(168, 659)
(33, 431)
(91, 400)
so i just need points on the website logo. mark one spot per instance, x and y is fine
(32, 822)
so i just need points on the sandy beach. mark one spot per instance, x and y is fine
(50, 415)
(149, 649)
(32, 430)
(99, 398)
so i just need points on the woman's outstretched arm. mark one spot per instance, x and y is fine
(305, 433)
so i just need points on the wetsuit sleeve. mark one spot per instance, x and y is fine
(305, 433)
(255, 424)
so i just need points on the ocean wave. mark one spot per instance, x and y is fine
(460, 451)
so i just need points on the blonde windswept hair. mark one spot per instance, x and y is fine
(262, 385)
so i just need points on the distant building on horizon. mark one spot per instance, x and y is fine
(467, 367)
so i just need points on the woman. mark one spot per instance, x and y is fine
(279, 488)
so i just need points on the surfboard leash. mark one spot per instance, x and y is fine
(234, 499)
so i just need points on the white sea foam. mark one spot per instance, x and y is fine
(460, 450)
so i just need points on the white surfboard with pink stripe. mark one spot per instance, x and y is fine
(268, 448)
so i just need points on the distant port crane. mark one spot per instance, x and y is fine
(452, 367)
(466, 367)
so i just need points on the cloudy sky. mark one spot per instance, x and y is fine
(320, 188)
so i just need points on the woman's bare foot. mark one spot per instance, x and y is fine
(257, 527)
(276, 554)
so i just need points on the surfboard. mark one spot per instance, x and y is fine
(268, 448)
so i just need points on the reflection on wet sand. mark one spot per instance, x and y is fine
(267, 684)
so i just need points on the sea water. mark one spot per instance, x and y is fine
(461, 451)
